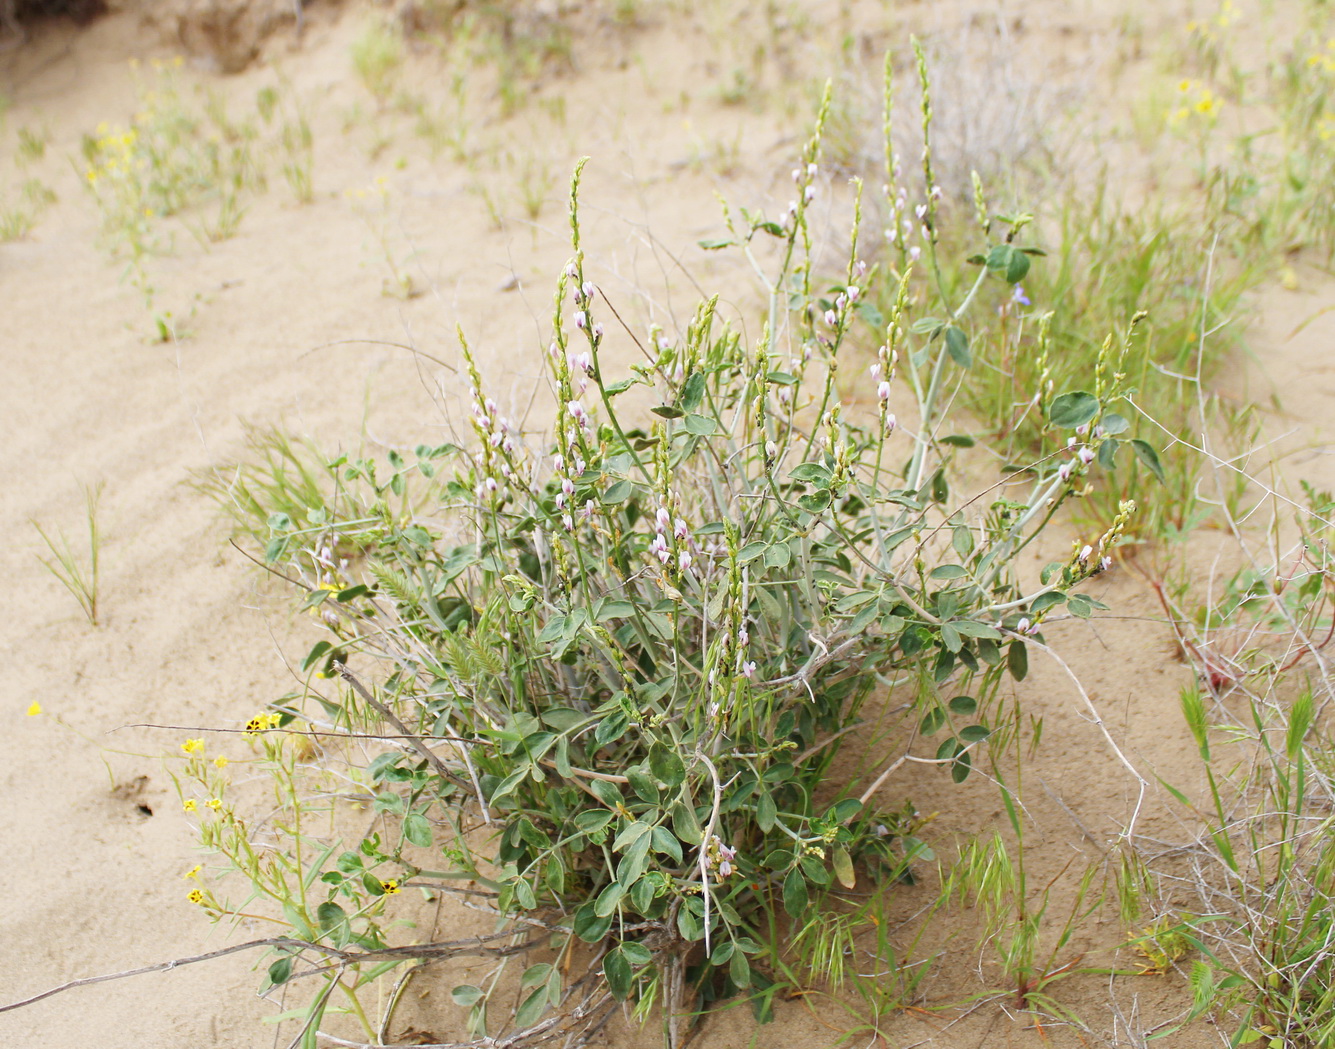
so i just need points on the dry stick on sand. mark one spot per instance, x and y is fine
(476, 945)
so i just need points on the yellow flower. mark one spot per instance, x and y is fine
(190, 805)
(193, 871)
(1184, 86)
(193, 746)
(214, 803)
(195, 896)
(34, 709)
(220, 761)
(391, 887)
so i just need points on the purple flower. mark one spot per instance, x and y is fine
(883, 390)
(1018, 296)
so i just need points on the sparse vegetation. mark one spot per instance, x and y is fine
(648, 668)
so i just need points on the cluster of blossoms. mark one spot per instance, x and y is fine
(720, 857)
(499, 446)
(682, 543)
(1196, 99)
(261, 723)
(565, 495)
(805, 179)
(901, 226)
(583, 295)
(1081, 453)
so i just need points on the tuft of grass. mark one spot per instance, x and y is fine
(377, 58)
(77, 572)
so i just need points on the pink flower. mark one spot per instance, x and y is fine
(748, 669)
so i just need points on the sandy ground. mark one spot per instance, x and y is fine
(95, 843)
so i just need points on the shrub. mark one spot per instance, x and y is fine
(622, 658)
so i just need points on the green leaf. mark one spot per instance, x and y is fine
(666, 765)
(692, 391)
(636, 953)
(666, 843)
(1050, 599)
(795, 894)
(417, 829)
(1108, 453)
(932, 721)
(974, 733)
(532, 1008)
(957, 345)
(950, 637)
(631, 833)
(643, 786)
(1073, 409)
(843, 866)
(959, 771)
(1079, 605)
(1147, 455)
(605, 905)
(667, 411)
(618, 972)
(590, 926)
(1008, 262)
(766, 812)
(965, 705)
(814, 503)
(778, 556)
(751, 551)
(510, 782)
(813, 473)
(280, 970)
(590, 821)
(466, 994)
(315, 655)
(948, 572)
(608, 792)
(701, 425)
(740, 969)
(1017, 660)
(618, 493)
(1113, 423)
(715, 244)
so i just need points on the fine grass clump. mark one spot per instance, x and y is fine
(624, 665)
(78, 573)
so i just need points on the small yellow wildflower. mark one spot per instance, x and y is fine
(190, 805)
(195, 896)
(391, 887)
(34, 709)
(214, 803)
(193, 871)
(193, 746)
(220, 761)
